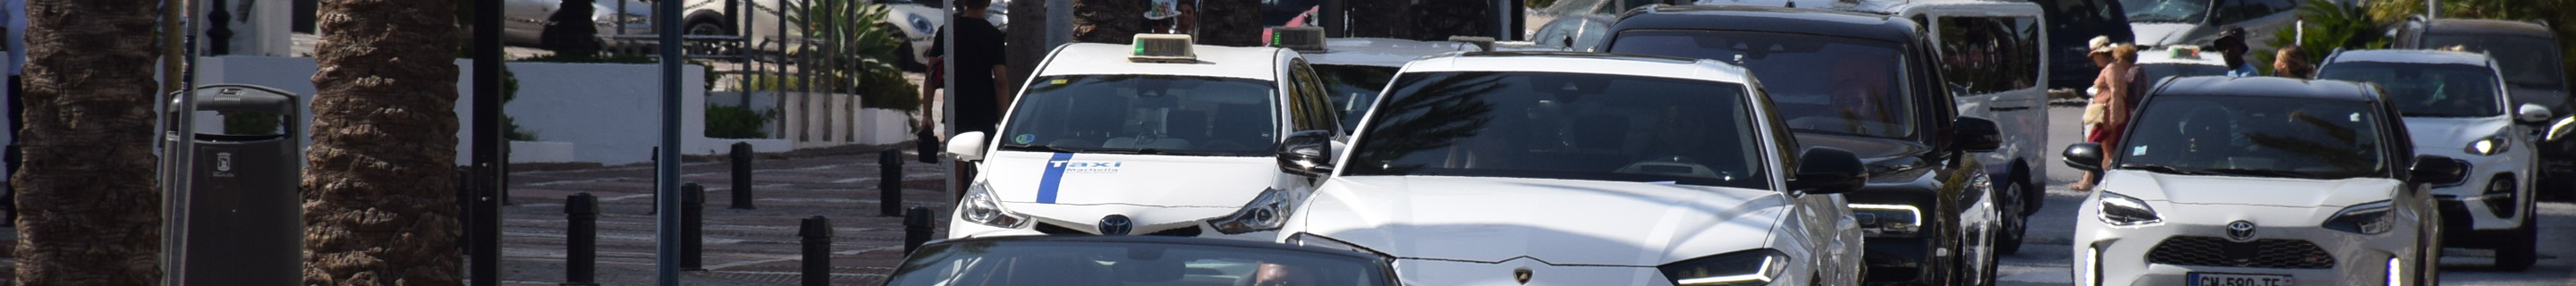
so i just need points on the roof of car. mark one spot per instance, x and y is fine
(1574, 62)
(1382, 52)
(2267, 86)
(2412, 57)
(1769, 19)
(2448, 25)
(1160, 240)
(1261, 63)
(2179, 56)
(1901, 7)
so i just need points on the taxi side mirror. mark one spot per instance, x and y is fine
(967, 146)
(2083, 156)
(1826, 170)
(2437, 170)
(1307, 153)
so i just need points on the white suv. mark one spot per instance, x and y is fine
(1160, 138)
(2260, 181)
(2456, 105)
(1554, 168)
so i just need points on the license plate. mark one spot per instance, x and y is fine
(2228, 279)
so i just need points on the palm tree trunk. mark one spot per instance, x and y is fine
(89, 212)
(380, 182)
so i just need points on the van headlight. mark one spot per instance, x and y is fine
(2490, 146)
(2121, 210)
(1750, 267)
(2369, 218)
(981, 208)
(1267, 211)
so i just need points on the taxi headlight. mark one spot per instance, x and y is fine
(1267, 211)
(1750, 267)
(2121, 210)
(2369, 218)
(2490, 146)
(981, 208)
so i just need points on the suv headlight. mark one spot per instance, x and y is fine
(2368, 218)
(1878, 220)
(2121, 210)
(2490, 146)
(919, 23)
(1750, 267)
(1267, 211)
(981, 208)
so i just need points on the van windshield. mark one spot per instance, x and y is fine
(2166, 11)
(1144, 114)
(2427, 90)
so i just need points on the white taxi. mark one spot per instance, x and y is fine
(1163, 137)
(1556, 168)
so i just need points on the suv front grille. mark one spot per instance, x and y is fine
(2261, 253)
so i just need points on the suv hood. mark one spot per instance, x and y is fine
(1122, 179)
(2447, 135)
(1560, 222)
(2250, 191)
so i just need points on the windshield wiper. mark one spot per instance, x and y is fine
(2165, 169)
(1035, 147)
(2265, 173)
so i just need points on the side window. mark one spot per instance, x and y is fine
(1985, 55)
(1308, 110)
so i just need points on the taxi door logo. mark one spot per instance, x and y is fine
(1075, 167)
(223, 164)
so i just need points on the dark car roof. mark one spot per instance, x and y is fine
(2266, 86)
(1769, 19)
(1161, 240)
(2485, 26)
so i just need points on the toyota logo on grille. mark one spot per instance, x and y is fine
(1116, 225)
(2240, 231)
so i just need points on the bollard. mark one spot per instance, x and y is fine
(916, 228)
(657, 181)
(890, 183)
(741, 175)
(581, 243)
(817, 232)
(693, 213)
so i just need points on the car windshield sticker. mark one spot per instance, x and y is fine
(1089, 167)
(1053, 176)
(2138, 151)
(1056, 81)
(1024, 138)
(2356, 117)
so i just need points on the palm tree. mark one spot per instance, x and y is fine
(90, 214)
(380, 180)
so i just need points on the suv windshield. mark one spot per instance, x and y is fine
(2168, 11)
(1563, 126)
(1353, 88)
(2534, 64)
(2427, 90)
(2256, 136)
(1144, 114)
(1822, 84)
(1119, 263)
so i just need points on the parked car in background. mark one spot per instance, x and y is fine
(1868, 83)
(1577, 25)
(523, 22)
(2324, 189)
(1560, 168)
(1162, 137)
(2197, 22)
(2533, 69)
(2455, 106)
(918, 21)
(2071, 24)
(1138, 260)
(2177, 61)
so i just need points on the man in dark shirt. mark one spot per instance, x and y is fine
(979, 94)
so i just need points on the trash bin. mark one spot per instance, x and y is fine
(245, 218)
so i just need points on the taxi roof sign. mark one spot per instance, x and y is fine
(1302, 39)
(1163, 48)
(1480, 42)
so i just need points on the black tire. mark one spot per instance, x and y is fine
(2518, 248)
(2016, 221)
(704, 26)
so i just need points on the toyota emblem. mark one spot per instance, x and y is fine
(2240, 231)
(1116, 225)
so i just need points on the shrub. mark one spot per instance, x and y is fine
(737, 122)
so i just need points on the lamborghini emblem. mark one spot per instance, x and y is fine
(1522, 275)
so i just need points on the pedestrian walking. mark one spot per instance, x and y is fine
(2231, 48)
(2292, 62)
(976, 68)
(14, 14)
(2107, 114)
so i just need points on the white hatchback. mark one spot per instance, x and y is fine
(1554, 168)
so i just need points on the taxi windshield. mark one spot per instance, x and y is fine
(2235, 135)
(1118, 263)
(2168, 11)
(1353, 88)
(1144, 114)
(1563, 126)
(2427, 90)
(1822, 84)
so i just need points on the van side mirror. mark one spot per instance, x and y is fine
(2083, 156)
(2532, 113)
(968, 147)
(2437, 170)
(1978, 135)
(1826, 170)
(1308, 153)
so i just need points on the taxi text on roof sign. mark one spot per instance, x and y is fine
(1163, 48)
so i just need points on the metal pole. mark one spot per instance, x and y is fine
(484, 229)
(179, 153)
(666, 173)
(741, 175)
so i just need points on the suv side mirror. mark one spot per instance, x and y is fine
(2083, 156)
(2532, 113)
(967, 146)
(2437, 170)
(1826, 170)
(1308, 153)
(1978, 135)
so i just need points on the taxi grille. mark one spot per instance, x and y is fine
(2262, 253)
(1053, 229)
